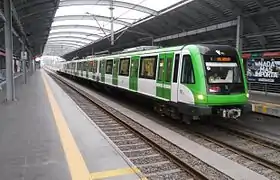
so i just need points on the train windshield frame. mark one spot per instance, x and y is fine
(223, 74)
(222, 70)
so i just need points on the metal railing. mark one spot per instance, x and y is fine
(264, 87)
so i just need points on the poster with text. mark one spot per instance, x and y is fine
(263, 70)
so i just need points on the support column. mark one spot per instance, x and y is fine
(23, 60)
(30, 63)
(239, 34)
(112, 23)
(10, 93)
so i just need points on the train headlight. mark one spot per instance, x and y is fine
(247, 95)
(200, 97)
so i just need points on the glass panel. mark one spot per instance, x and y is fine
(160, 69)
(148, 67)
(109, 66)
(168, 73)
(222, 70)
(176, 68)
(124, 67)
(187, 76)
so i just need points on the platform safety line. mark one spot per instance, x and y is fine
(76, 163)
(114, 173)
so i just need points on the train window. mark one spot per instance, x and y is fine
(86, 65)
(187, 76)
(168, 73)
(148, 67)
(160, 69)
(109, 66)
(100, 65)
(94, 66)
(124, 67)
(176, 68)
(81, 65)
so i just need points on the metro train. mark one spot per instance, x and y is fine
(187, 82)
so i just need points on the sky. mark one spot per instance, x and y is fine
(124, 14)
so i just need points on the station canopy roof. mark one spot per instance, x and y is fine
(78, 23)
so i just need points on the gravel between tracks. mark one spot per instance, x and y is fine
(149, 171)
(257, 149)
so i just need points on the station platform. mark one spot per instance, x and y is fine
(44, 135)
(268, 104)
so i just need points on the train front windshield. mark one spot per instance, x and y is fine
(223, 74)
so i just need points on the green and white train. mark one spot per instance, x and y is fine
(182, 82)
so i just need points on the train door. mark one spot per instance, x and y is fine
(187, 80)
(75, 68)
(115, 72)
(133, 77)
(102, 69)
(87, 68)
(165, 65)
(174, 84)
(81, 68)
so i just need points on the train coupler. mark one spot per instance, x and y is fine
(233, 113)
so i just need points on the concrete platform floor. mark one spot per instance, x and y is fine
(231, 168)
(262, 97)
(44, 135)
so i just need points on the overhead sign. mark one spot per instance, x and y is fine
(263, 69)
(24, 55)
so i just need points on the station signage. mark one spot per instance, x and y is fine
(23, 55)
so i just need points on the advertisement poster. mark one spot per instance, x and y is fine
(263, 70)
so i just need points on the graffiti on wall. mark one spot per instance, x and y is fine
(265, 70)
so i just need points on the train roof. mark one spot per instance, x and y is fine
(204, 48)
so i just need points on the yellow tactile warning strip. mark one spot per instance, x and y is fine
(76, 163)
(115, 172)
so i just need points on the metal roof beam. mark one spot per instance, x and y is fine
(71, 39)
(127, 5)
(262, 40)
(272, 33)
(86, 27)
(238, 11)
(17, 20)
(261, 4)
(263, 11)
(2, 16)
(198, 31)
(42, 12)
(211, 7)
(75, 37)
(89, 17)
(62, 44)
(75, 33)
(67, 40)
(34, 4)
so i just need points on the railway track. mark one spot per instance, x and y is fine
(250, 150)
(156, 157)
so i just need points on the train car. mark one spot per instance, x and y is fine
(183, 81)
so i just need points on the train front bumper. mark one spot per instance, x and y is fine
(199, 110)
